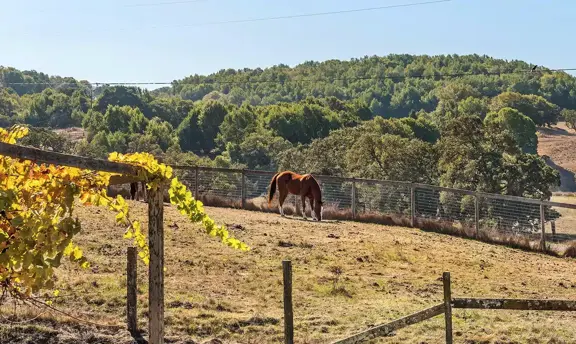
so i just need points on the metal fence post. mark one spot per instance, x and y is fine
(543, 225)
(412, 205)
(243, 191)
(196, 182)
(477, 214)
(353, 199)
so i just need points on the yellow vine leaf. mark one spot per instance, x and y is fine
(37, 225)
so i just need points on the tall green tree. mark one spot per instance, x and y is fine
(521, 127)
(538, 109)
(237, 125)
(570, 118)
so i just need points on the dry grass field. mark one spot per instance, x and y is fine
(567, 223)
(559, 143)
(347, 277)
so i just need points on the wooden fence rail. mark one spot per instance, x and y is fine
(388, 328)
(459, 303)
(155, 222)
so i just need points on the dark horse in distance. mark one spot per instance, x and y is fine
(134, 194)
(296, 184)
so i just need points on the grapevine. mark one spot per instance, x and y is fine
(37, 225)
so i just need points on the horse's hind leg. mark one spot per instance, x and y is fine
(283, 194)
(304, 206)
(311, 200)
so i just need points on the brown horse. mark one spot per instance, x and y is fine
(296, 184)
(134, 194)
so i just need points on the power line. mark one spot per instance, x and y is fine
(147, 4)
(305, 14)
(239, 21)
(208, 81)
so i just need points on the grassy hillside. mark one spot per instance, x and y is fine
(387, 272)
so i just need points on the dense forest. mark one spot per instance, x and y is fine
(457, 121)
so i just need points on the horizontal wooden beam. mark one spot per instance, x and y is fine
(385, 329)
(120, 179)
(515, 304)
(53, 158)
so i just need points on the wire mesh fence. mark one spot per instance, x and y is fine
(460, 210)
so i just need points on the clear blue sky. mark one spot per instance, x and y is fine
(114, 41)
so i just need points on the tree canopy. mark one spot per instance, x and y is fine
(399, 116)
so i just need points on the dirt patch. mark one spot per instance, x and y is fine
(558, 144)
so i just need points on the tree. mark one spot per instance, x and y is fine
(46, 139)
(422, 128)
(538, 109)
(144, 143)
(162, 131)
(9, 107)
(259, 150)
(326, 156)
(125, 119)
(301, 123)
(51, 109)
(570, 118)
(120, 96)
(391, 157)
(94, 123)
(237, 125)
(137, 123)
(473, 106)
(528, 175)
(189, 133)
(210, 117)
(521, 127)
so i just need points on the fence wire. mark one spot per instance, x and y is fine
(336, 193)
(512, 217)
(382, 198)
(220, 184)
(453, 207)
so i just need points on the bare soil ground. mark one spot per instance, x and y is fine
(215, 292)
(559, 143)
(567, 223)
(73, 134)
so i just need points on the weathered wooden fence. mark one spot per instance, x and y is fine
(480, 214)
(462, 303)
(155, 226)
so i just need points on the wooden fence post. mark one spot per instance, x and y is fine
(354, 199)
(477, 215)
(196, 182)
(543, 225)
(156, 265)
(243, 191)
(412, 206)
(447, 306)
(131, 273)
(288, 313)
(553, 227)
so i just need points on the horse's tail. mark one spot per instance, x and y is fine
(272, 188)
(319, 190)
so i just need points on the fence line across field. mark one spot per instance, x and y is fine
(457, 303)
(477, 211)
